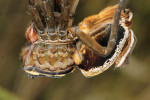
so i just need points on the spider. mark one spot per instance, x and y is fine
(56, 47)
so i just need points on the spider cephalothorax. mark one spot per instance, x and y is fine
(56, 47)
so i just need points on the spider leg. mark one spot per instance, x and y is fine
(52, 3)
(64, 14)
(86, 39)
(114, 29)
(47, 10)
(74, 4)
(37, 17)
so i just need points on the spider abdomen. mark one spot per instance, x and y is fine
(53, 57)
(48, 59)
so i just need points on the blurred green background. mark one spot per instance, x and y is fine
(131, 82)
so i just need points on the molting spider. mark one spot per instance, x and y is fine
(56, 47)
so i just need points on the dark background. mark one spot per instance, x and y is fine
(131, 82)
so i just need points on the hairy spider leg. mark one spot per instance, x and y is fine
(46, 7)
(37, 17)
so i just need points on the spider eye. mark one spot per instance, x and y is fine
(31, 34)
